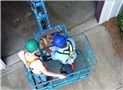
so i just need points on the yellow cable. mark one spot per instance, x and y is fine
(45, 41)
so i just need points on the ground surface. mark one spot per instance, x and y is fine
(112, 27)
(107, 74)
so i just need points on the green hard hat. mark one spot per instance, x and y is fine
(31, 45)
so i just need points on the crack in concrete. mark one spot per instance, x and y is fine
(119, 88)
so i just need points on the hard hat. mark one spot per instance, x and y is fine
(59, 40)
(31, 45)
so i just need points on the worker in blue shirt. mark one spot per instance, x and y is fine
(65, 53)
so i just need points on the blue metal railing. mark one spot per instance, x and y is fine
(89, 62)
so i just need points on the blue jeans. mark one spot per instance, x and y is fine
(68, 68)
(40, 77)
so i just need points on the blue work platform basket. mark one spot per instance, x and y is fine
(84, 65)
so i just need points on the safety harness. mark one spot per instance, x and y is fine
(29, 63)
(69, 52)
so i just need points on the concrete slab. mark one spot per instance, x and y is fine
(109, 65)
(120, 88)
(83, 27)
(107, 74)
(72, 12)
(12, 59)
(14, 78)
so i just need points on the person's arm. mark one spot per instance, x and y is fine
(45, 47)
(39, 66)
(44, 71)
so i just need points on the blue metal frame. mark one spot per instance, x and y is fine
(76, 76)
(38, 16)
(58, 28)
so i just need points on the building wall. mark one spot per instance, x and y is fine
(110, 9)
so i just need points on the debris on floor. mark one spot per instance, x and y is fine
(16, 22)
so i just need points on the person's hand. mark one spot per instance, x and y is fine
(41, 41)
(61, 76)
(49, 40)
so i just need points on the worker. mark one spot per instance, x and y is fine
(34, 63)
(65, 53)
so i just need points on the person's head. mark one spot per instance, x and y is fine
(32, 45)
(59, 41)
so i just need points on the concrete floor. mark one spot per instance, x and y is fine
(107, 74)
(19, 22)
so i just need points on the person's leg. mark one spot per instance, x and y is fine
(68, 68)
(43, 77)
(62, 70)
(40, 77)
